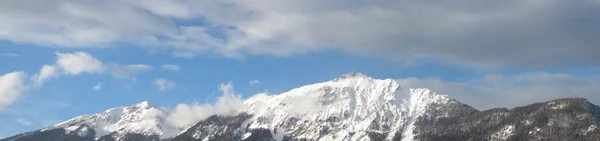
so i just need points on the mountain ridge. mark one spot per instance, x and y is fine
(353, 106)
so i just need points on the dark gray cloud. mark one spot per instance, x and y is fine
(538, 33)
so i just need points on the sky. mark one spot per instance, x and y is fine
(64, 58)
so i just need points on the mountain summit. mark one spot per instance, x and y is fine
(351, 75)
(352, 107)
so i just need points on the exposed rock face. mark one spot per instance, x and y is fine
(216, 128)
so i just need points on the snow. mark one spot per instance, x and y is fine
(504, 133)
(84, 132)
(559, 106)
(141, 118)
(246, 135)
(355, 100)
(589, 129)
(417, 104)
(535, 130)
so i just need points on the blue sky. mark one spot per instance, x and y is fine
(501, 55)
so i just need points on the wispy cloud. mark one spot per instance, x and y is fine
(254, 82)
(83, 62)
(127, 71)
(170, 67)
(46, 72)
(24, 122)
(63, 104)
(9, 54)
(164, 84)
(97, 86)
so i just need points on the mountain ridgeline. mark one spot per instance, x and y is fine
(352, 107)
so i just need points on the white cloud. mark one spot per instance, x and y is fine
(229, 103)
(254, 82)
(484, 35)
(79, 62)
(24, 122)
(97, 86)
(494, 91)
(184, 115)
(9, 54)
(11, 87)
(46, 72)
(164, 84)
(170, 67)
(83, 62)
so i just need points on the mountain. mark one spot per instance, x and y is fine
(141, 121)
(562, 119)
(352, 107)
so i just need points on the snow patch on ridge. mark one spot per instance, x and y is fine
(504, 133)
(416, 106)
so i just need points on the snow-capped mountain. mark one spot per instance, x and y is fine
(141, 121)
(349, 107)
(141, 118)
(352, 107)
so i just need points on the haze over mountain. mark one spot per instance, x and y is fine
(351, 107)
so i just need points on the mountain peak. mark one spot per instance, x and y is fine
(352, 75)
(144, 104)
(142, 118)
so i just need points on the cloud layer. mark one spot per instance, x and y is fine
(510, 32)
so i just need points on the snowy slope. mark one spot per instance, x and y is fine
(350, 107)
(142, 118)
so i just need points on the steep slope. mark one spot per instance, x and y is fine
(137, 122)
(350, 107)
(561, 119)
